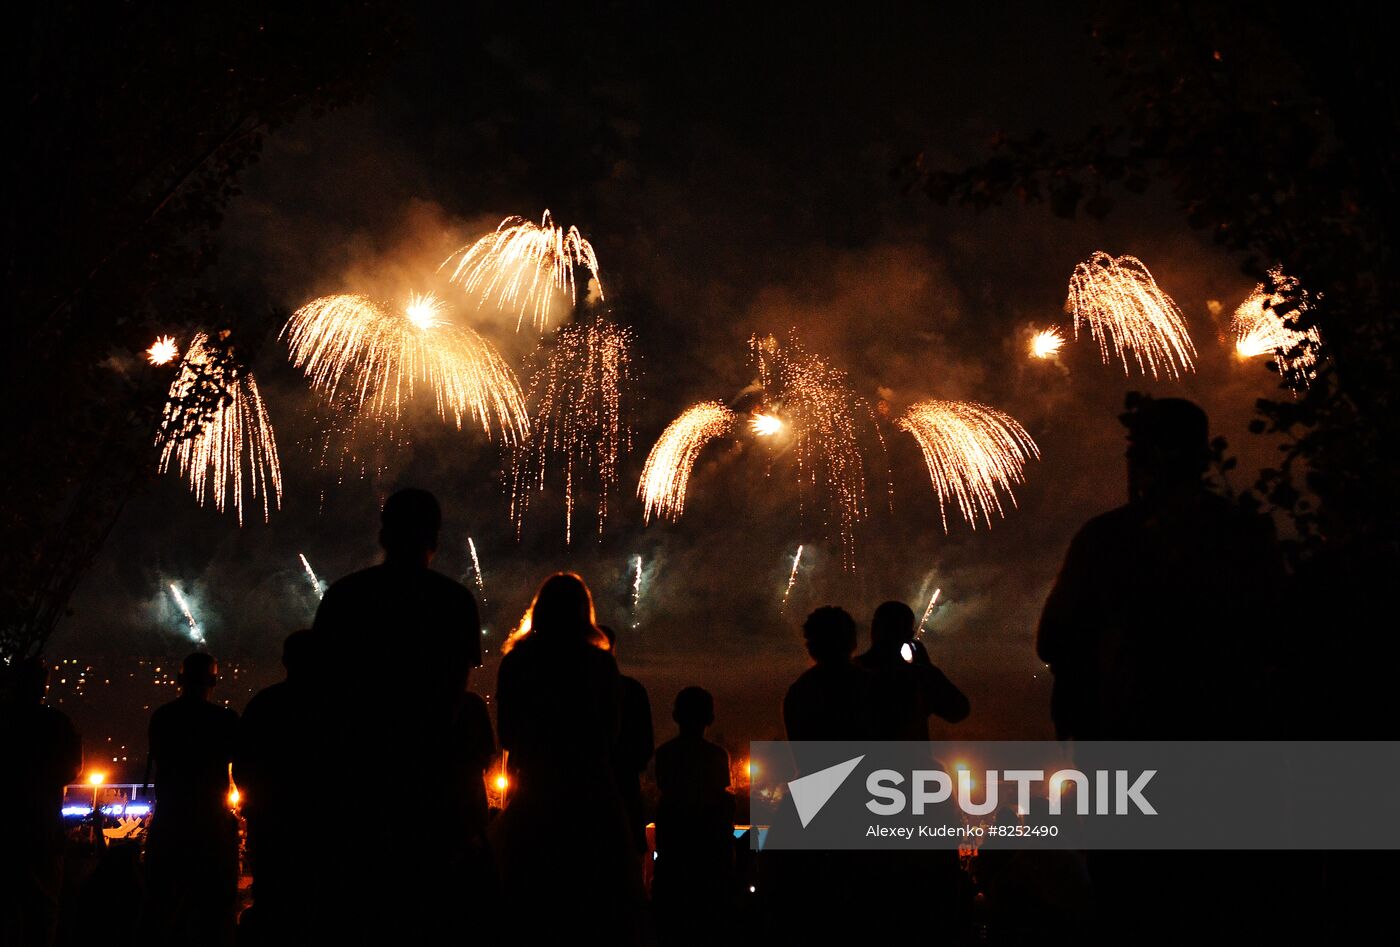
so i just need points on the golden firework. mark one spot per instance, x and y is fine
(163, 350)
(1261, 328)
(1047, 343)
(215, 424)
(365, 355)
(974, 454)
(667, 471)
(580, 424)
(1125, 309)
(765, 425)
(523, 266)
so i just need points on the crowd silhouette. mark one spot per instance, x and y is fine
(1144, 592)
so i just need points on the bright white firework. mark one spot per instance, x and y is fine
(196, 633)
(476, 569)
(974, 454)
(163, 350)
(311, 576)
(1047, 343)
(636, 587)
(523, 266)
(1261, 328)
(928, 612)
(792, 576)
(1126, 311)
(667, 471)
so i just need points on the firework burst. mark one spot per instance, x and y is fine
(163, 350)
(216, 426)
(974, 454)
(196, 633)
(476, 569)
(1047, 343)
(1261, 327)
(667, 471)
(524, 266)
(581, 424)
(1125, 309)
(792, 576)
(823, 415)
(372, 359)
(928, 612)
(311, 576)
(636, 588)
(765, 425)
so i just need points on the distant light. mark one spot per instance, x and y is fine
(906, 651)
(501, 781)
(752, 889)
(234, 797)
(96, 778)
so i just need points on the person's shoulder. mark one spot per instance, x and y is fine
(632, 687)
(716, 753)
(446, 585)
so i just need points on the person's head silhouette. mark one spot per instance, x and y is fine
(562, 611)
(831, 635)
(299, 655)
(409, 526)
(892, 626)
(1168, 446)
(693, 711)
(198, 674)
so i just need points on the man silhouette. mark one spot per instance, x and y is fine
(192, 851)
(636, 740)
(369, 626)
(832, 700)
(1156, 626)
(906, 693)
(42, 753)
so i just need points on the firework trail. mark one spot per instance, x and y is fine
(311, 577)
(476, 569)
(1120, 302)
(928, 612)
(215, 425)
(973, 453)
(1047, 343)
(582, 424)
(822, 413)
(636, 587)
(371, 359)
(1261, 326)
(792, 577)
(163, 350)
(196, 635)
(667, 471)
(523, 266)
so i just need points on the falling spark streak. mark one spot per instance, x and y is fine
(1047, 343)
(523, 265)
(163, 350)
(215, 424)
(476, 569)
(765, 425)
(581, 424)
(636, 587)
(196, 635)
(667, 471)
(311, 576)
(973, 453)
(822, 412)
(1123, 307)
(371, 358)
(792, 578)
(1261, 327)
(929, 611)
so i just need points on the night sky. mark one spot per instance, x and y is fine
(736, 176)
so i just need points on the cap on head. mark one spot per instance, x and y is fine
(831, 634)
(410, 522)
(893, 624)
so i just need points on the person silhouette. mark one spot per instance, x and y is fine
(277, 778)
(564, 834)
(906, 692)
(42, 753)
(635, 742)
(192, 849)
(367, 625)
(833, 699)
(1157, 625)
(694, 828)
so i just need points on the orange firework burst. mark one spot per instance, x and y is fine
(823, 415)
(1047, 343)
(765, 425)
(523, 266)
(1261, 327)
(163, 350)
(579, 418)
(667, 471)
(1120, 302)
(215, 424)
(372, 358)
(973, 452)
